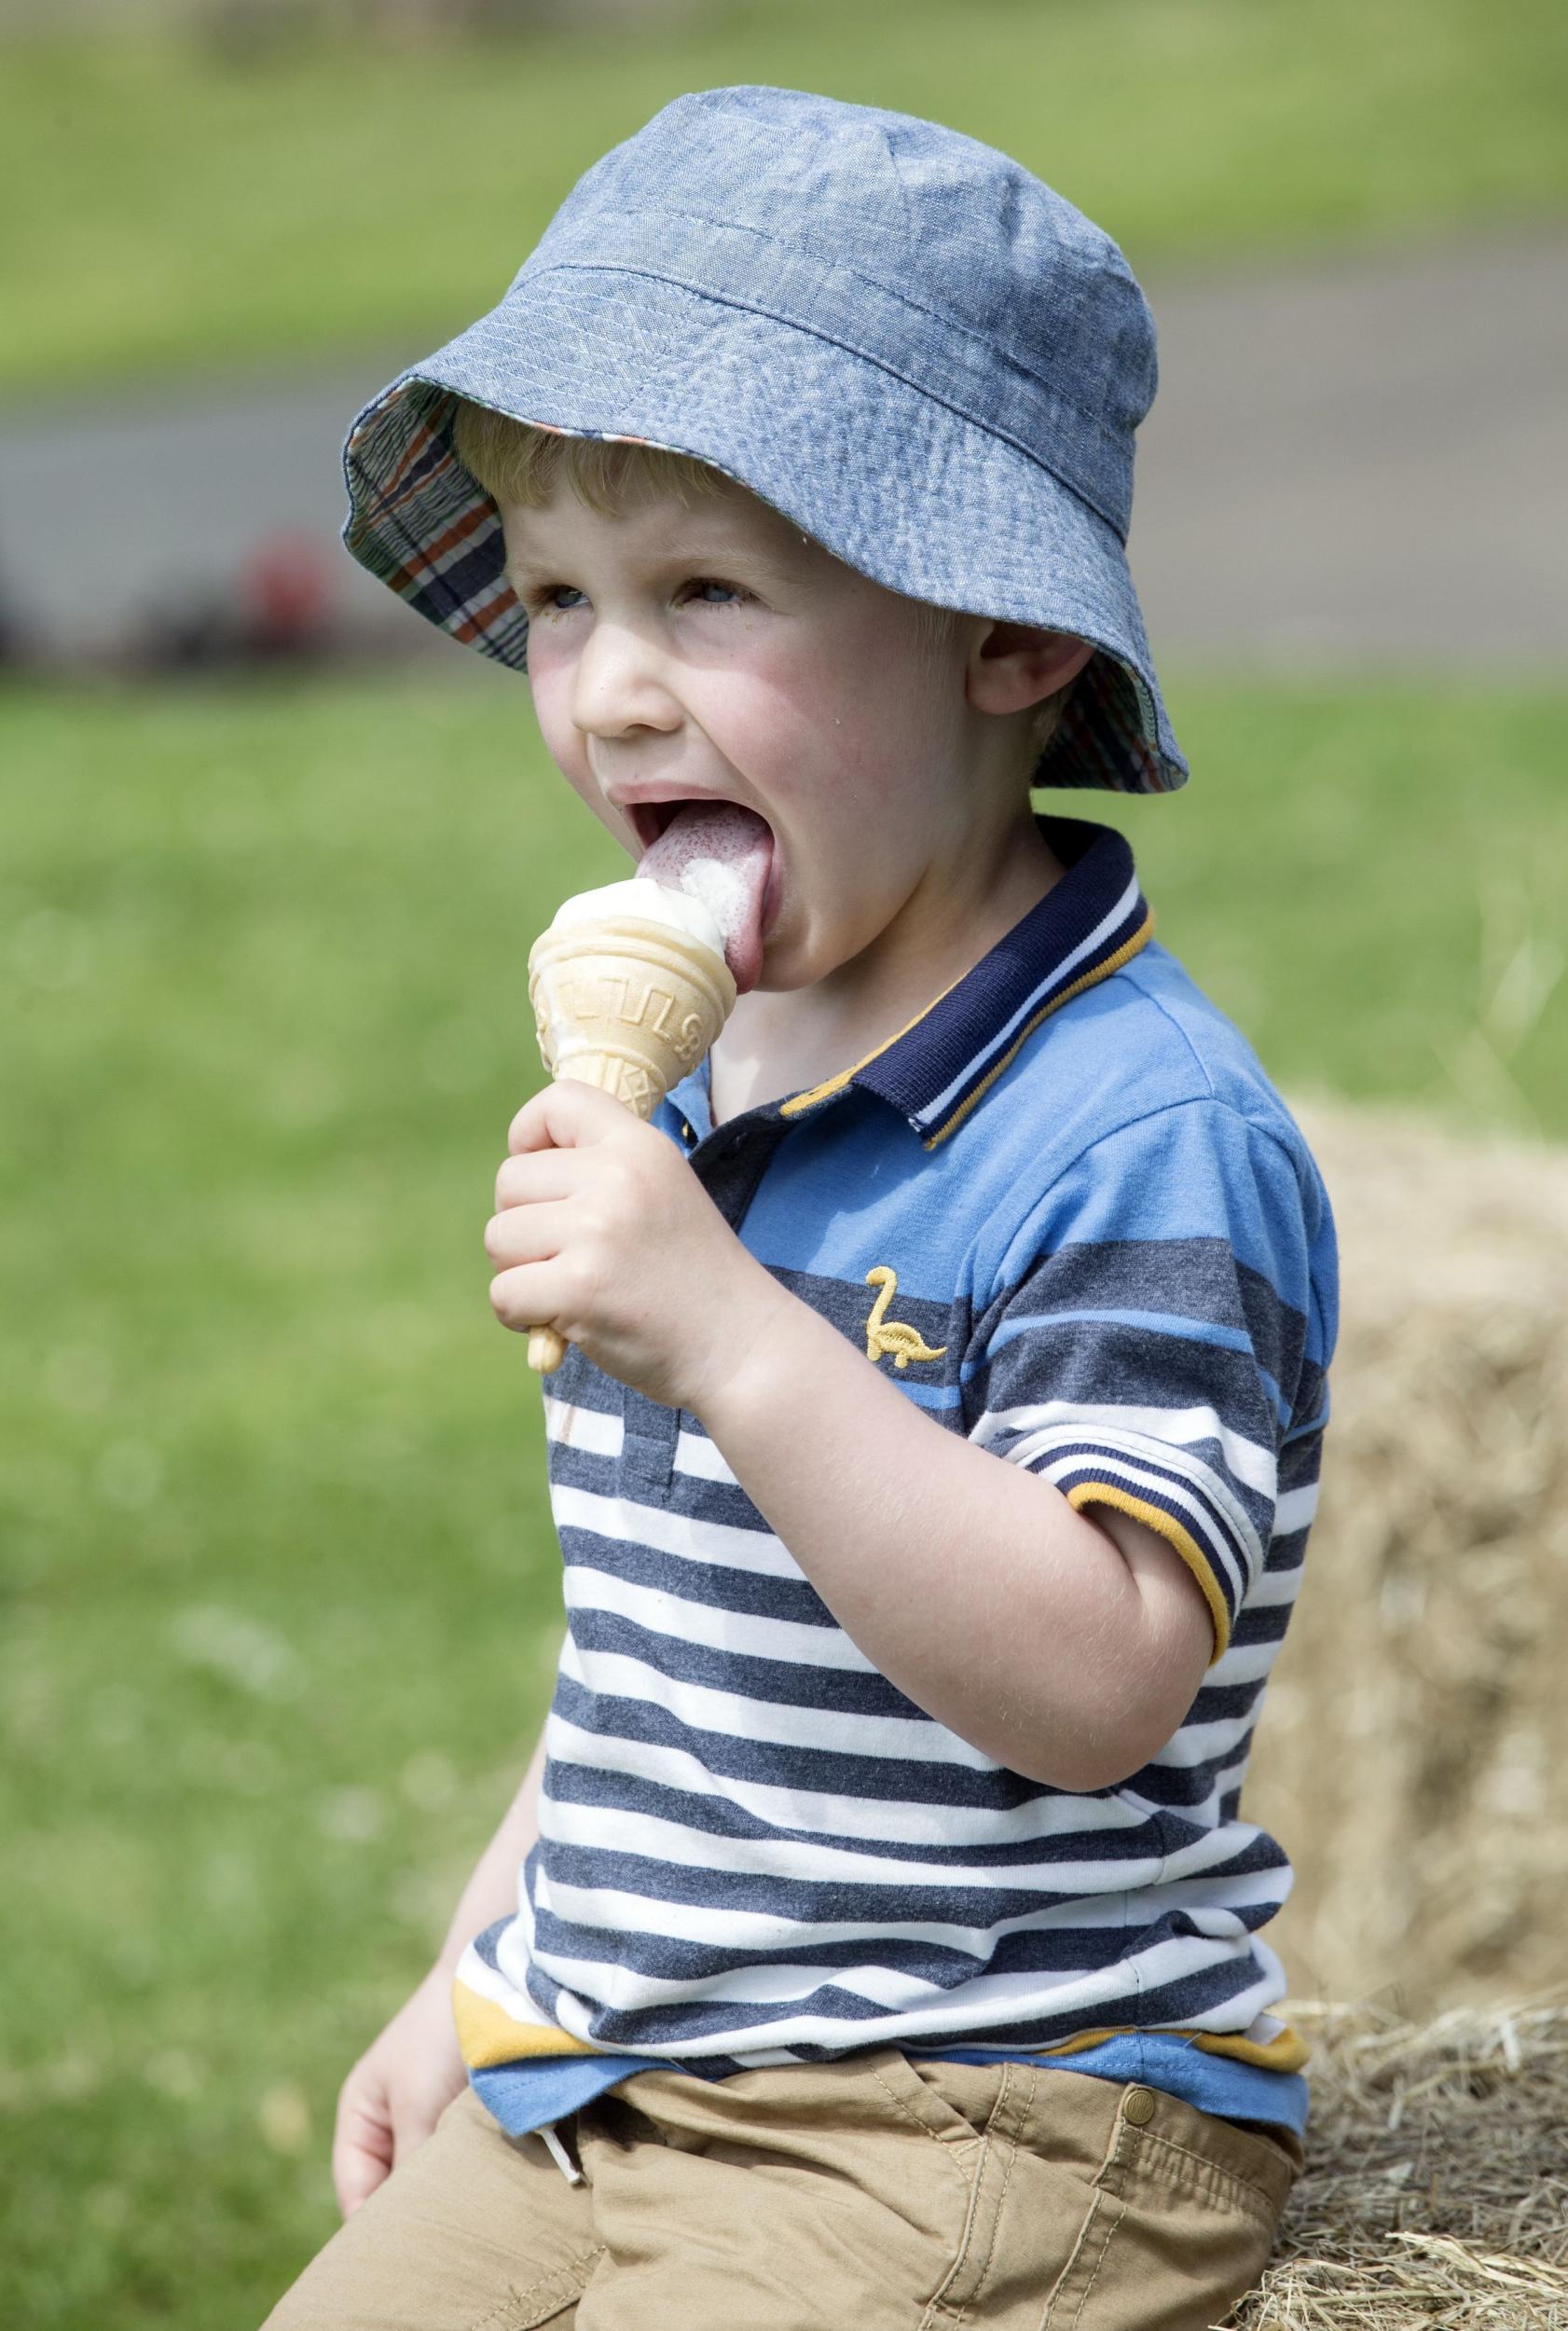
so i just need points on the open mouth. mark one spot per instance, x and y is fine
(649, 820)
(724, 854)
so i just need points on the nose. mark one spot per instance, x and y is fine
(621, 684)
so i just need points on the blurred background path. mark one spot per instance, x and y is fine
(1349, 461)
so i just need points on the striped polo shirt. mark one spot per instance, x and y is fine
(1066, 1213)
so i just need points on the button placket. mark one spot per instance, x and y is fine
(732, 1160)
(649, 1432)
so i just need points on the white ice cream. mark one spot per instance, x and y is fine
(649, 903)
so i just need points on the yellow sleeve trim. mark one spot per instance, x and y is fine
(1105, 1493)
(486, 2035)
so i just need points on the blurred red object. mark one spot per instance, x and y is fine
(285, 594)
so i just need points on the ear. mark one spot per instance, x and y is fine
(1013, 665)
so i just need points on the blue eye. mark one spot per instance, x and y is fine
(549, 599)
(704, 584)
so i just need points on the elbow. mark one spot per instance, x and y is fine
(1112, 1735)
(1089, 1774)
(1133, 1690)
(1090, 1710)
(1085, 1771)
(1079, 1759)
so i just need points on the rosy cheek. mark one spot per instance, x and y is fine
(550, 681)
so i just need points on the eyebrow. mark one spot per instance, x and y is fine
(516, 570)
(694, 555)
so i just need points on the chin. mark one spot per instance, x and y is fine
(783, 978)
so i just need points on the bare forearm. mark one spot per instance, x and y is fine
(491, 1892)
(971, 1584)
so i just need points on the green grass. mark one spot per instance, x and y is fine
(170, 203)
(1373, 882)
(278, 1578)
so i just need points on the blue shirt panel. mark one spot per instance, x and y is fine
(527, 2096)
(1145, 1042)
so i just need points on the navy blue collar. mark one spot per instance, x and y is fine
(937, 1069)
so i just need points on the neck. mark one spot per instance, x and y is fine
(779, 1042)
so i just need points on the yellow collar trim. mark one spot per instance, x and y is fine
(1125, 954)
(801, 1101)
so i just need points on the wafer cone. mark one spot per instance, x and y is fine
(628, 1005)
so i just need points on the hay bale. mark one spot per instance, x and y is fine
(1435, 2192)
(1414, 1740)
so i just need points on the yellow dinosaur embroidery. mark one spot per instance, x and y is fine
(903, 1344)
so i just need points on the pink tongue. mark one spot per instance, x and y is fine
(720, 853)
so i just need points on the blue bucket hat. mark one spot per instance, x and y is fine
(897, 337)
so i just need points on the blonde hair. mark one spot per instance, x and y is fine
(516, 463)
(519, 464)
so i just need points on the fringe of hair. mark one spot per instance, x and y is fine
(518, 463)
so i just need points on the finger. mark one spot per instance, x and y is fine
(568, 1116)
(525, 1234)
(530, 1295)
(355, 2175)
(411, 2126)
(541, 1173)
(361, 2154)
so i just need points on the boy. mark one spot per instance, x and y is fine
(874, 1936)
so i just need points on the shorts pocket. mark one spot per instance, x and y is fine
(1271, 2149)
(1184, 2216)
(954, 2102)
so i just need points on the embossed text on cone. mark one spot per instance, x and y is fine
(629, 1006)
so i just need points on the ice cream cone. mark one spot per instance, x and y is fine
(631, 1006)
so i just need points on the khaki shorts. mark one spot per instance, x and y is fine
(856, 2195)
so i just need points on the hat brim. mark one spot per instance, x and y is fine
(898, 485)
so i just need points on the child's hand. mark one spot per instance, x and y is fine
(603, 1233)
(396, 2092)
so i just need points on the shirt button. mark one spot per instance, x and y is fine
(1137, 2106)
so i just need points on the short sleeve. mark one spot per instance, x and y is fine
(1145, 1349)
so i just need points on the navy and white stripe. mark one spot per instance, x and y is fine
(754, 1847)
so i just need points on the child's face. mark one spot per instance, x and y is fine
(715, 651)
